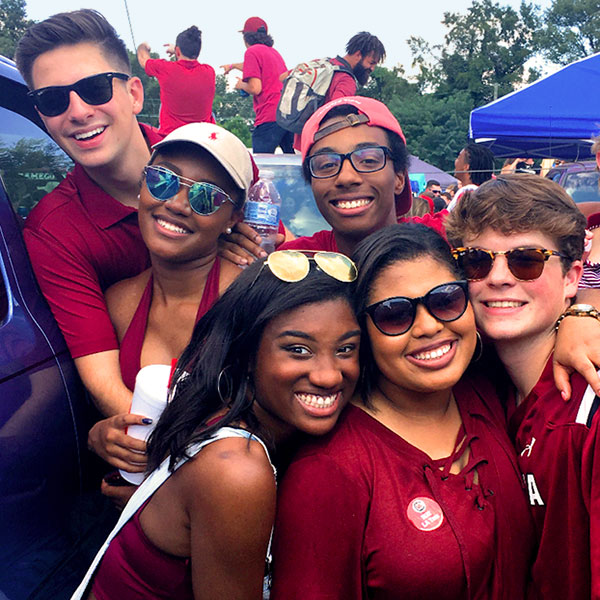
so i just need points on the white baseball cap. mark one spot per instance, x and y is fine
(227, 148)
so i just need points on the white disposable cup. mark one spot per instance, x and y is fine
(149, 400)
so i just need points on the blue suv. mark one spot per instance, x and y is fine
(46, 514)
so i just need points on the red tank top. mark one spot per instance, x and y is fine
(135, 569)
(131, 346)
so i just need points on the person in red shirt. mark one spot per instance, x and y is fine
(83, 236)
(520, 241)
(364, 52)
(355, 158)
(187, 87)
(261, 72)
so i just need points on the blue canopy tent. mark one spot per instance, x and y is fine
(554, 117)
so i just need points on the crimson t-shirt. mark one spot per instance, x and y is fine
(558, 449)
(187, 91)
(264, 63)
(361, 513)
(325, 240)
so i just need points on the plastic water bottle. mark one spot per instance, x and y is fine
(262, 208)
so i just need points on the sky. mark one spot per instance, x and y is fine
(302, 30)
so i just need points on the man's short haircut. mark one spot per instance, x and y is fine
(67, 29)
(190, 42)
(258, 37)
(481, 163)
(399, 153)
(519, 203)
(432, 182)
(365, 43)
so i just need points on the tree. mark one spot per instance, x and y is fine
(232, 111)
(387, 84)
(435, 126)
(484, 51)
(151, 107)
(12, 25)
(571, 30)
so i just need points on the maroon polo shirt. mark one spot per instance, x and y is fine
(81, 241)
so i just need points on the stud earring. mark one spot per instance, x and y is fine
(228, 231)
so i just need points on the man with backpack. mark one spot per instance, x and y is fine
(312, 84)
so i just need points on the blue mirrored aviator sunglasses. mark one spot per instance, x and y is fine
(204, 198)
(97, 89)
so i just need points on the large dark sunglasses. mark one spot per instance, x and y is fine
(97, 89)
(364, 160)
(524, 263)
(395, 316)
(204, 198)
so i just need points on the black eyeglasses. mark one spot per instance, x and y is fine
(204, 198)
(96, 89)
(364, 160)
(524, 263)
(395, 316)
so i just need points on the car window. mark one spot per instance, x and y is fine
(299, 211)
(31, 164)
(583, 186)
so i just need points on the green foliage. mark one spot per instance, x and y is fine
(387, 84)
(484, 48)
(233, 111)
(238, 126)
(572, 30)
(151, 108)
(13, 24)
(436, 128)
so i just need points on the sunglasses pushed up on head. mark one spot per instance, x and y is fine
(95, 90)
(446, 302)
(204, 198)
(525, 264)
(292, 266)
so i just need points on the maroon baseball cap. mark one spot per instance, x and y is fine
(372, 113)
(253, 24)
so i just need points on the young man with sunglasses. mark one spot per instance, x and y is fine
(519, 239)
(84, 235)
